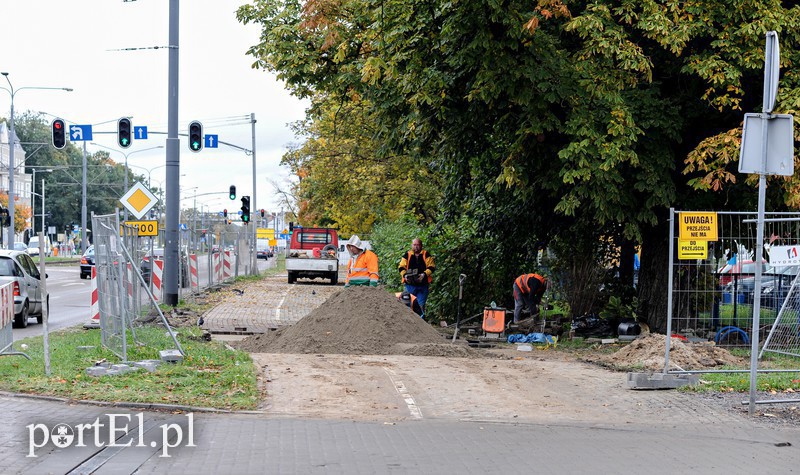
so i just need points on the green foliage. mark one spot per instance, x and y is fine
(529, 120)
(616, 309)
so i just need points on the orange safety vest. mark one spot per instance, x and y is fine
(524, 285)
(363, 269)
(426, 258)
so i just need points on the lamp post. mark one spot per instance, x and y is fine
(33, 199)
(126, 164)
(12, 145)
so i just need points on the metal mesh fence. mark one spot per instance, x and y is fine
(132, 325)
(713, 282)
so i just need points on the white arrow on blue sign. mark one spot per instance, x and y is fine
(140, 132)
(212, 141)
(80, 132)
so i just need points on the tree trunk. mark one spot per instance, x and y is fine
(653, 275)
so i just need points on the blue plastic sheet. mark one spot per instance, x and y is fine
(530, 338)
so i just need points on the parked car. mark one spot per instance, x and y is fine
(775, 288)
(87, 263)
(20, 246)
(18, 267)
(146, 266)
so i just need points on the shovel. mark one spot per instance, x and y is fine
(461, 279)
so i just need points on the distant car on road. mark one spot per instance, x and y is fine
(87, 263)
(18, 267)
(20, 246)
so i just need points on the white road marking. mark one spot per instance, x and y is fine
(278, 309)
(415, 411)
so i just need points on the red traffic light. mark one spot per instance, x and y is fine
(58, 134)
(225, 213)
(262, 213)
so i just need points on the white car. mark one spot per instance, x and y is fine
(19, 268)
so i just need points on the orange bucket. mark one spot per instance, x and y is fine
(494, 320)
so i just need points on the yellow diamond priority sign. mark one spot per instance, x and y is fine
(139, 200)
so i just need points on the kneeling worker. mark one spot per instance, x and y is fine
(528, 291)
(362, 268)
(409, 300)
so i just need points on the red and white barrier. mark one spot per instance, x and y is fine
(94, 308)
(156, 276)
(217, 267)
(227, 265)
(195, 282)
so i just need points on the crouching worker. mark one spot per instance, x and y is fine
(362, 268)
(528, 291)
(409, 300)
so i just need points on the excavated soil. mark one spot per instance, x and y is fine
(647, 352)
(354, 321)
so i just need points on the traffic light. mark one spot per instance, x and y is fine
(246, 209)
(291, 225)
(59, 134)
(196, 136)
(224, 213)
(232, 192)
(124, 132)
(262, 213)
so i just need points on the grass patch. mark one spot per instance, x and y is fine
(740, 382)
(210, 375)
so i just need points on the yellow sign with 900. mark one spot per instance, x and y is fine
(146, 228)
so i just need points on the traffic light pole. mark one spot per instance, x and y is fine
(254, 241)
(172, 246)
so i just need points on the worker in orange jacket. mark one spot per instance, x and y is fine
(528, 291)
(409, 300)
(362, 268)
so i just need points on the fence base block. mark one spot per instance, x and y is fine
(660, 380)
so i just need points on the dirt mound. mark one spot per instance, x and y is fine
(442, 349)
(647, 352)
(356, 321)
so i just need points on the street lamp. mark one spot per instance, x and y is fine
(13, 92)
(126, 163)
(33, 199)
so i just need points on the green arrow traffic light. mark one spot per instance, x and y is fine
(195, 136)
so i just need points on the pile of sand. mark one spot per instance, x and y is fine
(648, 351)
(353, 321)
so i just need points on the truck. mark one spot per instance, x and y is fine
(312, 253)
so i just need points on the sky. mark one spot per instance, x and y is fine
(76, 44)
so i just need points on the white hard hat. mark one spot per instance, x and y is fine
(355, 242)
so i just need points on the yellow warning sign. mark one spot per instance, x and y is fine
(138, 200)
(265, 233)
(691, 250)
(146, 228)
(697, 226)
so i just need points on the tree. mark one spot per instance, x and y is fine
(539, 118)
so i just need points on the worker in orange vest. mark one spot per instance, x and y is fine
(409, 300)
(362, 268)
(528, 291)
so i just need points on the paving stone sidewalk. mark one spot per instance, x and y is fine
(267, 304)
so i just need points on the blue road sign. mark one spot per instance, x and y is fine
(221, 214)
(140, 132)
(212, 141)
(283, 236)
(184, 227)
(79, 133)
(240, 212)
